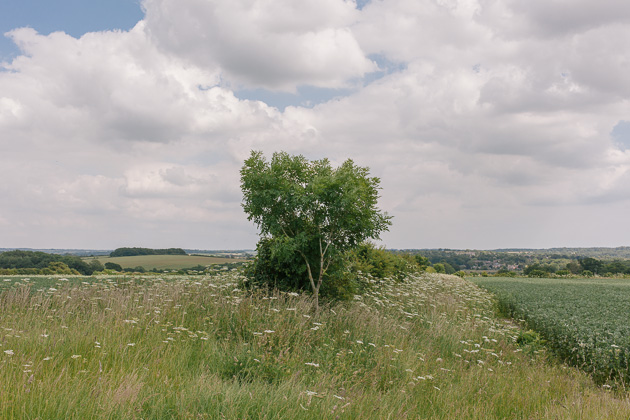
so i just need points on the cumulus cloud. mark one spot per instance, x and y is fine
(278, 44)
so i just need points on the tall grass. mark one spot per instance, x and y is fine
(194, 348)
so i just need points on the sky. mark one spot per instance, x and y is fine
(490, 123)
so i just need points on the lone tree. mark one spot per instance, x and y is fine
(311, 209)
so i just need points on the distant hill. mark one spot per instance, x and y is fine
(63, 251)
(621, 252)
(105, 252)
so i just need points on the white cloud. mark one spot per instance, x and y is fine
(278, 44)
(490, 132)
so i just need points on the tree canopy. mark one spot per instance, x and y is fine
(311, 209)
(33, 262)
(130, 252)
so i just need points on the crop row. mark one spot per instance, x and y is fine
(586, 322)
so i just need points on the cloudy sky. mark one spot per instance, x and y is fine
(491, 123)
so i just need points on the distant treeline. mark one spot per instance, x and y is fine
(36, 262)
(473, 259)
(612, 260)
(132, 252)
(584, 266)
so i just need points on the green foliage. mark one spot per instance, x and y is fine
(617, 267)
(448, 269)
(311, 210)
(132, 252)
(538, 273)
(138, 269)
(592, 264)
(422, 261)
(113, 266)
(95, 265)
(36, 262)
(380, 263)
(473, 259)
(59, 267)
(274, 268)
(539, 270)
(597, 260)
(574, 267)
(531, 341)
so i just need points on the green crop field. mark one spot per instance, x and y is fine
(162, 262)
(586, 322)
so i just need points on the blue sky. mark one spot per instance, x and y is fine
(491, 123)
(75, 17)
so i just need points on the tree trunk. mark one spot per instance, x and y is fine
(310, 278)
(320, 277)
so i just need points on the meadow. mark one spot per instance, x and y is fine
(585, 321)
(161, 262)
(203, 347)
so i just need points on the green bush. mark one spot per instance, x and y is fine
(380, 263)
(538, 273)
(275, 269)
(113, 266)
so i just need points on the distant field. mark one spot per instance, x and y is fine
(586, 321)
(166, 261)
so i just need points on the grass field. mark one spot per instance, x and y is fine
(202, 348)
(162, 262)
(585, 321)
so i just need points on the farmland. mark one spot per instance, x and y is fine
(161, 262)
(586, 322)
(203, 347)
